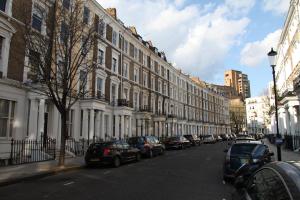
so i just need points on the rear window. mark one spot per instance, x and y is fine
(136, 140)
(242, 149)
(100, 145)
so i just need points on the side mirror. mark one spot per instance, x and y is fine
(239, 182)
(225, 150)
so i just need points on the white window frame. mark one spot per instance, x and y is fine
(114, 68)
(9, 133)
(114, 38)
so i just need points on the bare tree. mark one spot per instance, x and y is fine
(60, 55)
(237, 122)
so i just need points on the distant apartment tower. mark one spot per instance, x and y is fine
(238, 81)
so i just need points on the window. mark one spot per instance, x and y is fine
(113, 93)
(125, 70)
(64, 32)
(99, 87)
(84, 43)
(82, 81)
(7, 113)
(152, 83)
(135, 99)
(66, 4)
(135, 53)
(126, 46)
(114, 65)
(159, 86)
(144, 60)
(145, 80)
(34, 60)
(37, 19)
(125, 94)
(2, 5)
(135, 74)
(114, 38)
(101, 27)
(70, 120)
(86, 15)
(100, 56)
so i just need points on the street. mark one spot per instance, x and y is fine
(190, 174)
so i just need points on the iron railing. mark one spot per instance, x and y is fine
(29, 151)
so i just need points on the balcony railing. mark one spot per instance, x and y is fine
(145, 108)
(100, 96)
(171, 116)
(123, 103)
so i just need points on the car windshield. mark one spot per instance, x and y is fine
(242, 149)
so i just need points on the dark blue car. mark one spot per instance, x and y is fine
(148, 145)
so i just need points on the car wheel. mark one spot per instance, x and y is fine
(138, 157)
(150, 154)
(116, 161)
(162, 151)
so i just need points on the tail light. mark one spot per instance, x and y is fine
(106, 151)
(146, 144)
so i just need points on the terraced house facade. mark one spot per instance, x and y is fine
(133, 90)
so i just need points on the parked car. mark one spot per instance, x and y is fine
(274, 181)
(148, 145)
(113, 152)
(194, 140)
(218, 138)
(240, 153)
(177, 142)
(209, 139)
(224, 137)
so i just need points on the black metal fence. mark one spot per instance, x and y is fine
(291, 142)
(29, 151)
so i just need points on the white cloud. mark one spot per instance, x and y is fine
(278, 7)
(240, 6)
(254, 53)
(195, 37)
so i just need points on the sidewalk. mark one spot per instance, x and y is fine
(16, 173)
(286, 155)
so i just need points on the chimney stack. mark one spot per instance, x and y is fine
(112, 12)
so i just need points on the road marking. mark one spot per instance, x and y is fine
(68, 183)
(106, 172)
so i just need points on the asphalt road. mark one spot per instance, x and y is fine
(191, 174)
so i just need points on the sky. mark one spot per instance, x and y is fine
(206, 37)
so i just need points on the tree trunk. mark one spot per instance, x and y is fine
(63, 138)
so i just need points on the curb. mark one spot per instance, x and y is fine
(39, 175)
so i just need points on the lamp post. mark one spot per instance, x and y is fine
(272, 59)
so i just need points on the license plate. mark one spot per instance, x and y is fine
(95, 159)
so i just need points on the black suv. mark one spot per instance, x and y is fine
(148, 145)
(113, 152)
(194, 140)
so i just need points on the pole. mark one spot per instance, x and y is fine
(276, 114)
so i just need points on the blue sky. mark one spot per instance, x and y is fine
(205, 37)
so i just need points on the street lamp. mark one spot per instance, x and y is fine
(272, 59)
